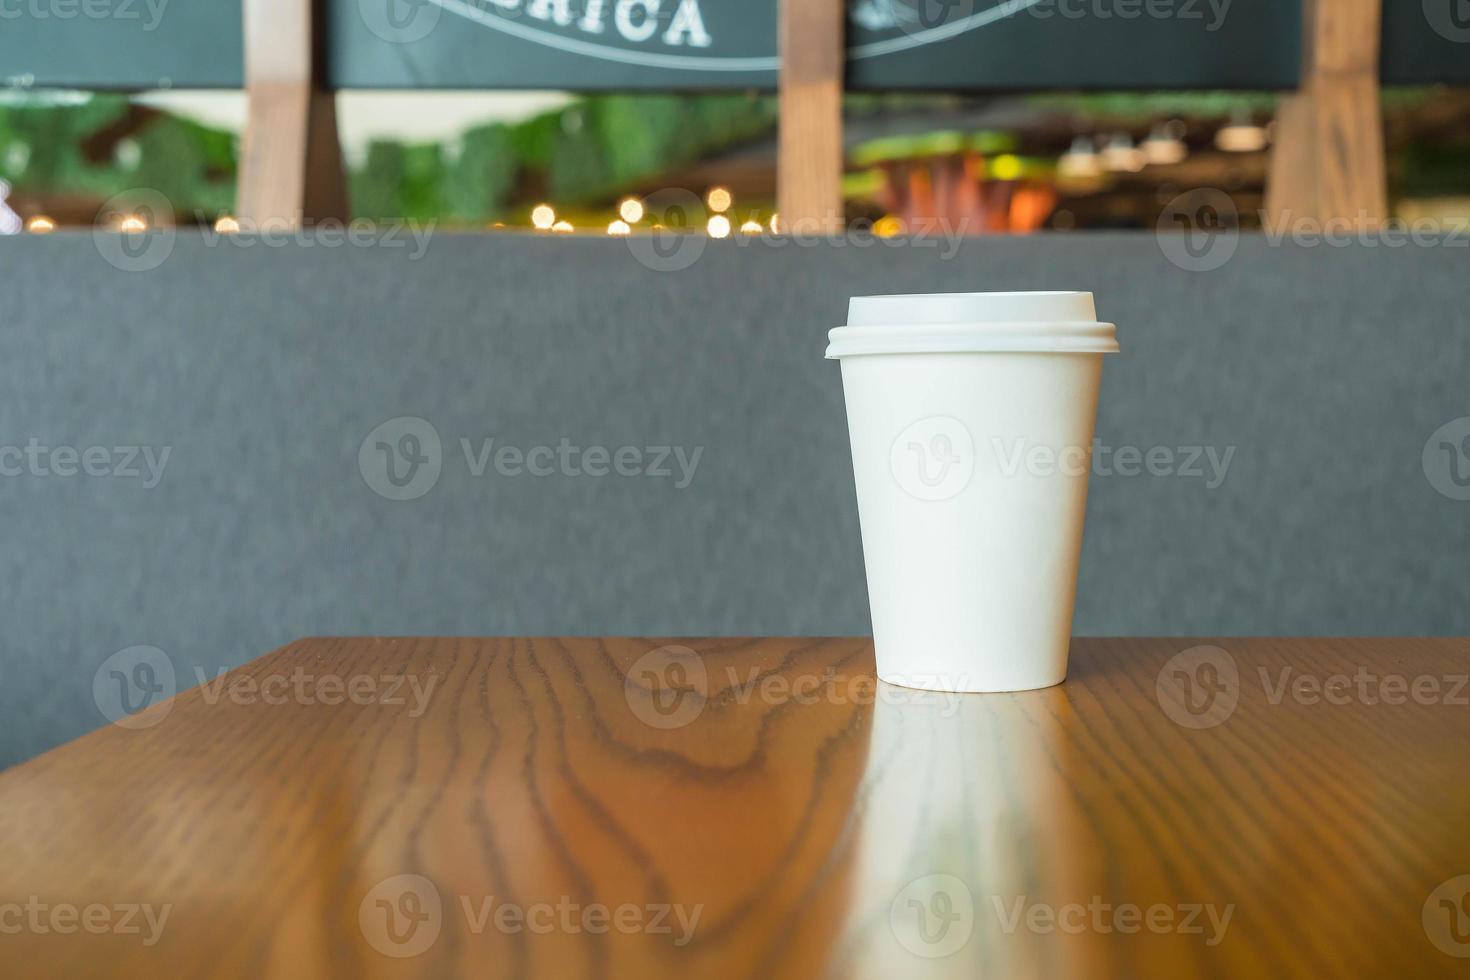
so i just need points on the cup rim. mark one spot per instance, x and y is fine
(1018, 337)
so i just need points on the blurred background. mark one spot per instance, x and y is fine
(582, 164)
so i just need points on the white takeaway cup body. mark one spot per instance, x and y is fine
(971, 417)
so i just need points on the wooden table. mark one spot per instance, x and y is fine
(751, 808)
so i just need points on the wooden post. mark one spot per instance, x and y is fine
(1328, 161)
(809, 161)
(291, 165)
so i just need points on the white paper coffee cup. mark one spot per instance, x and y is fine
(971, 417)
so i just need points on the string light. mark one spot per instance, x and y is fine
(1121, 156)
(1241, 136)
(40, 225)
(751, 227)
(227, 225)
(887, 226)
(1006, 167)
(631, 210)
(543, 217)
(618, 227)
(719, 226)
(132, 224)
(563, 228)
(719, 199)
(1080, 160)
(1165, 145)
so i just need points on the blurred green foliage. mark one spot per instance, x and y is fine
(579, 155)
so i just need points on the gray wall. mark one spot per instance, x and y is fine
(263, 369)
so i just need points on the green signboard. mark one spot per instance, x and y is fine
(891, 44)
(933, 45)
(1426, 41)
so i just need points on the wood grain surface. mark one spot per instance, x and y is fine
(757, 808)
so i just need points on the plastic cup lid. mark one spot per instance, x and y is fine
(943, 323)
